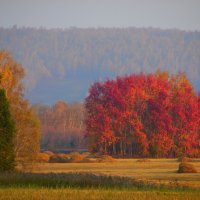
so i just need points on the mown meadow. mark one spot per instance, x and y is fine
(93, 193)
(119, 179)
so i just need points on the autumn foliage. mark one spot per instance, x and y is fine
(143, 115)
(27, 127)
(62, 125)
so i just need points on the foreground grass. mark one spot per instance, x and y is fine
(123, 179)
(78, 186)
(84, 180)
(162, 171)
(90, 194)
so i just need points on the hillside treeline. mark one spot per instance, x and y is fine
(153, 115)
(62, 126)
(74, 56)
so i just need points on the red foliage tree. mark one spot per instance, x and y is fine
(142, 115)
(185, 116)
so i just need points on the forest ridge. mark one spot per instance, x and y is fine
(57, 59)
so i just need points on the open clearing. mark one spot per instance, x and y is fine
(158, 179)
(156, 170)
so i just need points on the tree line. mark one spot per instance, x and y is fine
(58, 56)
(155, 115)
(62, 126)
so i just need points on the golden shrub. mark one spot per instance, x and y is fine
(43, 157)
(59, 158)
(76, 157)
(106, 158)
(185, 167)
(50, 153)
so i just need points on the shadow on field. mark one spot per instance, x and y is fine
(54, 180)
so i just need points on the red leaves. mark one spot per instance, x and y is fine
(160, 144)
(130, 113)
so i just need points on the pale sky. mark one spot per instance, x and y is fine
(165, 14)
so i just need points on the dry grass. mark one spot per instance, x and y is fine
(186, 168)
(123, 179)
(157, 170)
(143, 160)
(91, 194)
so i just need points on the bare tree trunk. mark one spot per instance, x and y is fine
(124, 149)
(105, 148)
(131, 149)
(121, 148)
(114, 148)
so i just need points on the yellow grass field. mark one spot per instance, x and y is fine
(156, 179)
(92, 194)
(154, 170)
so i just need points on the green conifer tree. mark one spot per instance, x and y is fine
(7, 129)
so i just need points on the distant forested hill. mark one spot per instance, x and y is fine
(61, 64)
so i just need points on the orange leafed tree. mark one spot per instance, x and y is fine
(27, 137)
(143, 115)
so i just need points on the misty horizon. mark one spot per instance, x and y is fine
(178, 14)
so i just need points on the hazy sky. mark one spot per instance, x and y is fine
(180, 14)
